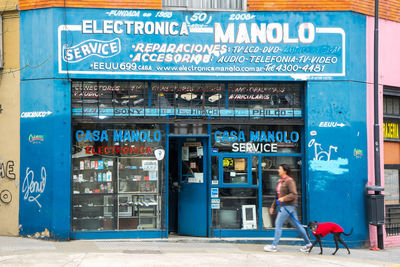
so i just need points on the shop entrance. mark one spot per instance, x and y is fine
(188, 186)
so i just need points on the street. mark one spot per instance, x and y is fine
(178, 252)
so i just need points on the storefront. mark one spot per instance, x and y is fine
(206, 171)
(157, 122)
(391, 137)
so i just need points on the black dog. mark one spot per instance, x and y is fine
(320, 230)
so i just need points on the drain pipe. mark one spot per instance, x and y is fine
(376, 118)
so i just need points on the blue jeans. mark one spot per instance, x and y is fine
(283, 215)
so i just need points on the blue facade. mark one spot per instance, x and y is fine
(334, 138)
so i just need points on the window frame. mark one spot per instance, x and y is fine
(181, 8)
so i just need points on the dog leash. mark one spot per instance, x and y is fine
(293, 217)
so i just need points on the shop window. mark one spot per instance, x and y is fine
(235, 170)
(391, 102)
(117, 172)
(205, 4)
(270, 178)
(104, 99)
(391, 111)
(392, 186)
(233, 205)
(256, 95)
(185, 129)
(254, 170)
(392, 200)
(256, 138)
(188, 98)
(225, 136)
(197, 100)
(192, 160)
(214, 169)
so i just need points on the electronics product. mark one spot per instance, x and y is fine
(249, 217)
(228, 219)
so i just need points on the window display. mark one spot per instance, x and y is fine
(117, 172)
(138, 192)
(270, 178)
(230, 215)
(119, 167)
(235, 170)
(253, 170)
(256, 138)
(92, 188)
(202, 100)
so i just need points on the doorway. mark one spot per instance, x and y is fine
(188, 176)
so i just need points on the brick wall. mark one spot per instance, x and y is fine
(389, 9)
(121, 4)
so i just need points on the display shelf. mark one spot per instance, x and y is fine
(118, 205)
(94, 206)
(137, 157)
(276, 170)
(79, 170)
(138, 193)
(273, 196)
(82, 182)
(233, 197)
(93, 194)
(91, 218)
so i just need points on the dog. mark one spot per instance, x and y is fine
(319, 230)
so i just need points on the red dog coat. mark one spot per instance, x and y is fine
(327, 228)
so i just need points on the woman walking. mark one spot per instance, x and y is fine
(286, 192)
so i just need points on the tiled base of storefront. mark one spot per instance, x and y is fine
(231, 240)
(191, 239)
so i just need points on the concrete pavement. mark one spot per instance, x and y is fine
(16, 251)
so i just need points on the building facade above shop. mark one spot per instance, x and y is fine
(389, 9)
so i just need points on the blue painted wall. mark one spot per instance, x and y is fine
(44, 42)
(336, 159)
(334, 193)
(335, 127)
(45, 167)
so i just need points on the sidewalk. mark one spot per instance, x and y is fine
(16, 251)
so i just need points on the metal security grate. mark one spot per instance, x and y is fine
(392, 221)
(204, 4)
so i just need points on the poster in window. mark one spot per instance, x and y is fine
(153, 176)
(150, 165)
(185, 153)
(240, 164)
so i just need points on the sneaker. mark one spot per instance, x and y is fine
(306, 248)
(270, 248)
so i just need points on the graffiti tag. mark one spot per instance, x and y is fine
(33, 189)
(36, 138)
(323, 159)
(358, 153)
(331, 124)
(5, 196)
(7, 170)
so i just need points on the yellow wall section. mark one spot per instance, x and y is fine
(8, 5)
(9, 125)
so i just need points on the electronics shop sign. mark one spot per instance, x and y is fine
(142, 137)
(148, 43)
(256, 141)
